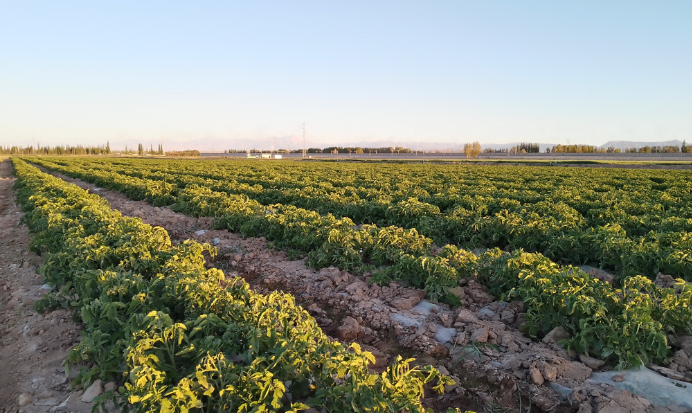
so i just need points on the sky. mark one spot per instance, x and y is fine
(226, 74)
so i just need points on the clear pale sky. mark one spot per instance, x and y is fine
(355, 71)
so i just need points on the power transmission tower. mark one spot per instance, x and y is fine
(304, 150)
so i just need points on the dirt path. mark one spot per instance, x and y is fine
(32, 346)
(492, 362)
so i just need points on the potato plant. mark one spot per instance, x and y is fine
(632, 222)
(179, 337)
(627, 325)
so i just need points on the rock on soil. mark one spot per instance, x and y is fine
(408, 301)
(664, 281)
(555, 335)
(96, 389)
(349, 331)
(591, 362)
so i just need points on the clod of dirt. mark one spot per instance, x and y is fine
(591, 362)
(555, 335)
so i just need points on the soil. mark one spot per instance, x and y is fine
(495, 366)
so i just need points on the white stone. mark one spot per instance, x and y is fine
(444, 334)
(96, 389)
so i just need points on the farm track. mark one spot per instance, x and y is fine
(348, 319)
(32, 346)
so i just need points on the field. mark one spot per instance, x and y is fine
(536, 273)
(681, 159)
(629, 222)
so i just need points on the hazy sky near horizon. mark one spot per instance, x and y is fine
(87, 72)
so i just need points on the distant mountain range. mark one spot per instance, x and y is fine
(294, 142)
(630, 144)
(542, 146)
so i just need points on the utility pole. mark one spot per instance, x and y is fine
(304, 150)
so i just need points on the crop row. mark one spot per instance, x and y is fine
(626, 325)
(180, 337)
(628, 222)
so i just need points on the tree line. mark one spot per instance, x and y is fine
(535, 148)
(66, 150)
(331, 149)
(56, 150)
(611, 149)
(521, 148)
(189, 152)
(470, 149)
(141, 151)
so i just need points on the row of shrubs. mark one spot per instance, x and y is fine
(179, 337)
(625, 225)
(626, 326)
